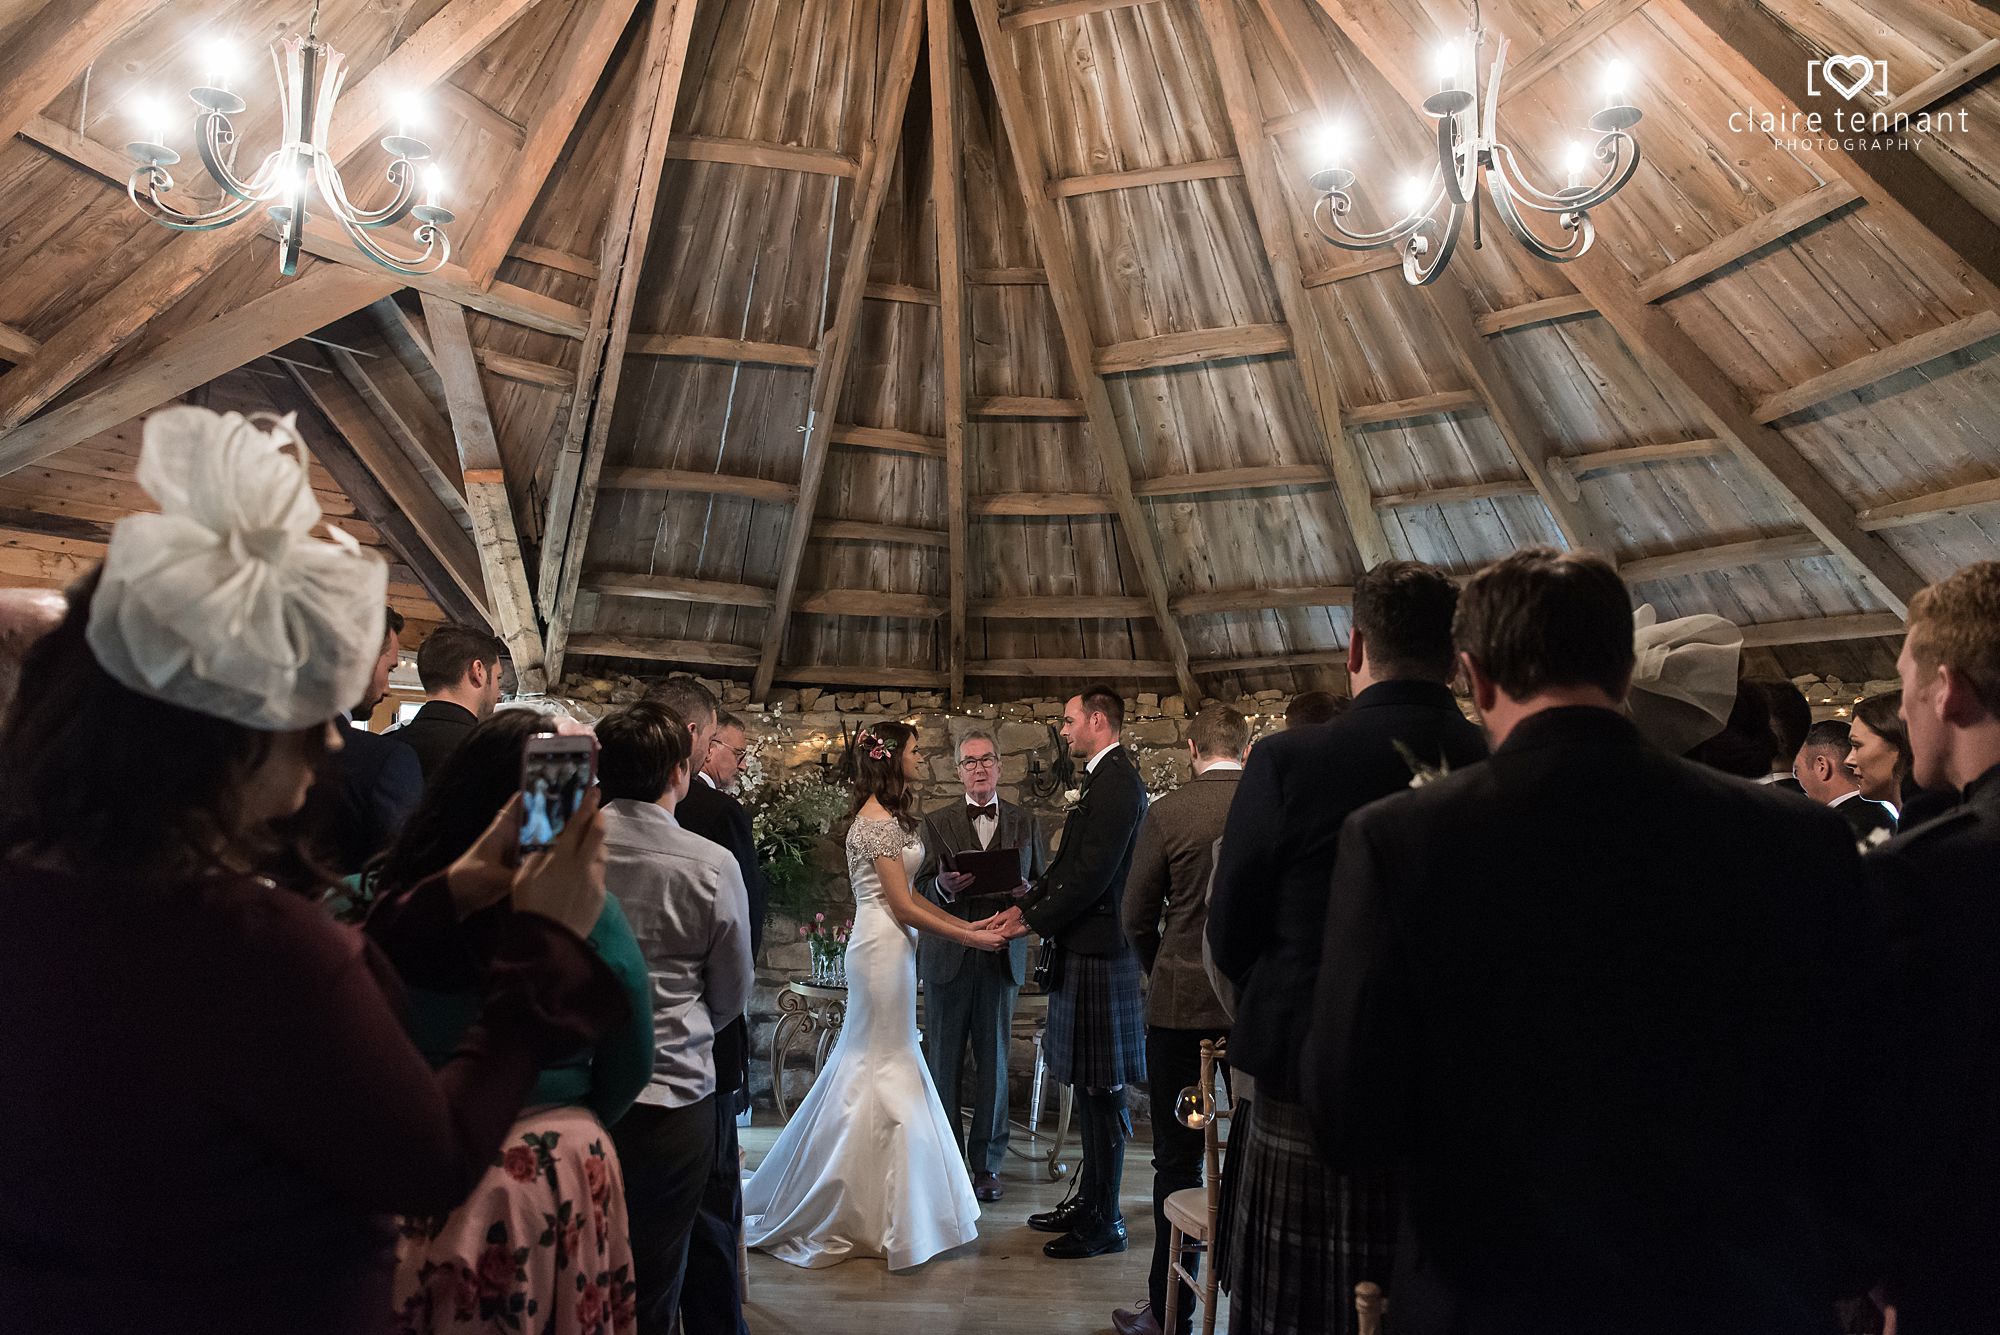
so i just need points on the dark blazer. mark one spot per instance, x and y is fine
(720, 818)
(438, 730)
(370, 786)
(1076, 901)
(1865, 817)
(1269, 904)
(1166, 900)
(949, 829)
(1939, 887)
(1611, 1055)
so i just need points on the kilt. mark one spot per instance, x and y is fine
(1096, 1035)
(1299, 1236)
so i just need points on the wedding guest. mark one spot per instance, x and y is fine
(1745, 745)
(1825, 778)
(1612, 1063)
(370, 786)
(1791, 718)
(25, 616)
(1879, 757)
(460, 671)
(711, 1299)
(224, 1110)
(684, 897)
(969, 994)
(1310, 707)
(1939, 883)
(1166, 915)
(1299, 1235)
(557, 1162)
(726, 753)
(1095, 1040)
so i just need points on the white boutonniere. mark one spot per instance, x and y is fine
(1420, 773)
(1072, 796)
(1874, 839)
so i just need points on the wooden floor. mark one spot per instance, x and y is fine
(999, 1285)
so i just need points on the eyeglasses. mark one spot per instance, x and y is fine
(979, 762)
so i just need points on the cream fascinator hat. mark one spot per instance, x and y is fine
(223, 602)
(1684, 682)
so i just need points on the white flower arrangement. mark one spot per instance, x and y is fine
(1072, 796)
(1874, 839)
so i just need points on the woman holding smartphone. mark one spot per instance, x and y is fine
(212, 1109)
(496, 1255)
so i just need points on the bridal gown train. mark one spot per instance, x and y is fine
(868, 1166)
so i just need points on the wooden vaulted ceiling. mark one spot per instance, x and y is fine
(937, 344)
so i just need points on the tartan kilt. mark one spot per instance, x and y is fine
(1096, 1035)
(1298, 1236)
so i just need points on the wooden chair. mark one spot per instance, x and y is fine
(742, 1247)
(1191, 1214)
(1369, 1308)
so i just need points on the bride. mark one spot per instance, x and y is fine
(869, 1166)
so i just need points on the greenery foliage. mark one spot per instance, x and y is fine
(789, 819)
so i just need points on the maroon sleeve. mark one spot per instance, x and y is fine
(312, 1056)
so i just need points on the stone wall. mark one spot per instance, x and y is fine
(797, 729)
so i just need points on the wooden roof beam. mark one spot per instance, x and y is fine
(705, 484)
(601, 363)
(676, 589)
(1880, 365)
(1471, 491)
(481, 113)
(1216, 602)
(714, 349)
(1752, 46)
(1078, 669)
(757, 153)
(1041, 504)
(526, 371)
(50, 44)
(837, 341)
(871, 603)
(890, 441)
(946, 55)
(907, 293)
(1440, 404)
(1194, 347)
(1677, 363)
(1545, 311)
(1815, 630)
(1722, 556)
(1018, 276)
(707, 653)
(1574, 468)
(1138, 178)
(1236, 479)
(1028, 405)
(1073, 319)
(1931, 505)
(1358, 267)
(548, 257)
(1565, 42)
(868, 531)
(1332, 657)
(1062, 607)
(1773, 227)
(585, 57)
(452, 36)
(1028, 16)
(15, 345)
(1974, 64)
(1280, 244)
(194, 358)
(493, 529)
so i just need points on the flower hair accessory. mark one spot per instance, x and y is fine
(224, 602)
(874, 747)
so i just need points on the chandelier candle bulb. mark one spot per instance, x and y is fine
(1446, 61)
(1575, 158)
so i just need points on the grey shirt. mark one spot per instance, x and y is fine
(685, 900)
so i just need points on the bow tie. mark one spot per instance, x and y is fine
(991, 811)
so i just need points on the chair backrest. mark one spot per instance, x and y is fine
(1213, 1052)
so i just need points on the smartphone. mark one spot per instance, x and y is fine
(555, 772)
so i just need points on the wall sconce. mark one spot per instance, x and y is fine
(1045, 781)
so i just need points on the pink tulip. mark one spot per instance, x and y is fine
(819, 917)
(805, 932)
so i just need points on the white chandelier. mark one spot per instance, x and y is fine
(310, 74)
(1435, 209)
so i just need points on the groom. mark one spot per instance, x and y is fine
(1096, 1036)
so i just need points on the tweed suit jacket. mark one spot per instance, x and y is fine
(948, 829)
(1166, 900)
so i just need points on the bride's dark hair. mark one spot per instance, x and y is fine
(878, 771)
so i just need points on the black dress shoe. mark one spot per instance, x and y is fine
(1092, 1236)
(1059, 1220)
(986, 1186)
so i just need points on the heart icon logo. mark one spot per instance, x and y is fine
(1847, 75)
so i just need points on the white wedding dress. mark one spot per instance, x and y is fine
(868, 1165)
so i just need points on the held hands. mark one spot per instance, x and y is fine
(565, 883)
(984, 938)
(1008, 923)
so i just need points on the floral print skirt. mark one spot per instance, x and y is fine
(540, 1246)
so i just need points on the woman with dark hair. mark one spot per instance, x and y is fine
(869, 1165)
(212, 1109)
(557, 1162)
(1878, 754)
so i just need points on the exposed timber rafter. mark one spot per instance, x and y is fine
(837, 343)
(1073, 317)
(947, 196)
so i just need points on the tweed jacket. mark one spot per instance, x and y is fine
(1166, 900)
(949, 829)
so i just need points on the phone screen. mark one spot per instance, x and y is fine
(555, 772)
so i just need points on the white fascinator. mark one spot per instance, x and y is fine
(1684, 681)
(224, 602)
